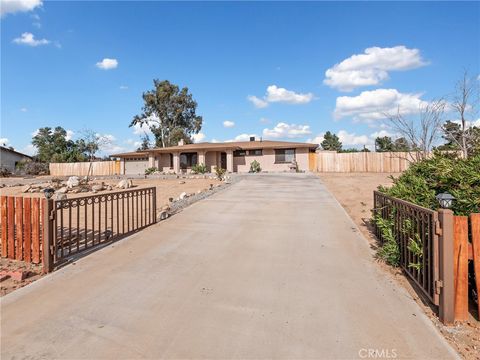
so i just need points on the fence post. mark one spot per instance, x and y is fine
(47, 235)
(154, 210)
(446, 268)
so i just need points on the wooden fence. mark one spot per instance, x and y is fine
(374, 162)
(95, 168)
(21, 228)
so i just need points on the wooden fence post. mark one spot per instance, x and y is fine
(446, 268)
(48, 233)
(475, 221)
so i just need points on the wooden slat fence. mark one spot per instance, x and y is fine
(21, 228)
(95, 168)
(467, 249)
(374, 162)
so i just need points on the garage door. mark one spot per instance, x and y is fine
(136, 166)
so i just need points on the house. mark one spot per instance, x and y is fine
(232, 156)
(9, 158)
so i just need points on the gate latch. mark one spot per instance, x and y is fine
(438, 228)
(438, 286)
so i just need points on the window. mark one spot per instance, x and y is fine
(238, 153)
(284, 155)
(187, 160)
(171, 161)
(256, 152)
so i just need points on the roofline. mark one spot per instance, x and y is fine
(16, 152)
(238, 145)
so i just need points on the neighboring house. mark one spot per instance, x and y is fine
(9, 158)
(232, 156)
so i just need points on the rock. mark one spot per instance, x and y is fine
(199, 191)
(211, 186)
(73, 181)
(124, 184)
(181, 182)
(62, 190)
(165, 208)
(31, 191)
(26, 188)
(60, 196)
(183, 195)
(109, 188)
(163, 215)
(97, 187)
(170, 199)
(76, 191)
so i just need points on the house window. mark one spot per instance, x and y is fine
(238, 153)
(187, 160)
(171, 161)
(284, 155)
(256, 152)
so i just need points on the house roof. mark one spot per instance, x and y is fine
(238, 145)
(4, 148)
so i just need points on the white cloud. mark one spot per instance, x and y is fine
(352, 139)
(228, 124)
(198, 137)
(145, 129)
(372, 67)
(13, 6)
(284, 130)
(29, 150)
(277, 94)
(23, 109)
(372, 105)
(264, 120)
(70, 134)
(123, 87)
(35, 133)
(107, 64)
(4, 142)
(29, 40)
(242, 137)
(317, 139)
(258, 103)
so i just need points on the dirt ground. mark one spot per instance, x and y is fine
(165, 189)
(355, 193)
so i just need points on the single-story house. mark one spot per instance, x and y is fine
(9, 158)
(232, 156)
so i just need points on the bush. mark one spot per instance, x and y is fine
(150, 170)
(199, 169)
(32, 167)
(441, 173)
(220, 173)
(4, 172)
(255, 167)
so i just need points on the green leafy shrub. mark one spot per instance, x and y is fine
(441, 173)
(389, 251)
(30, 167)
(255, 167)
(199, 169)
(150, 170)
(220, 172)
(4, 172)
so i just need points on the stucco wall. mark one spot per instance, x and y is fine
(267, 161)
(210, 160)
(8, 159)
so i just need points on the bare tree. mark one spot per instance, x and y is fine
(421, 131)
(92, 142)
(464, 102)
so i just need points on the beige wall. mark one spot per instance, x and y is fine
(211, 160)
(267, 161)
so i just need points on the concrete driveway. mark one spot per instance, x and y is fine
(270, 268)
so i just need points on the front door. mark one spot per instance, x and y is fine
(223, 160)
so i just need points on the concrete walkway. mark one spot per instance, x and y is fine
(270, 268)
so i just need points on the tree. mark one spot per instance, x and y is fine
(170, 113)
(145, 143)
(454, 136)
(91, 142)
(331, 142)
(421, 133)
(383, 144)
(465, 103)
(53, 146)
(401, 145)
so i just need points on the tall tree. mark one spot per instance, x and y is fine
(170, 113)
(331, 142)
(53, 146)
(91, 142)
(383, 144)
(401, 145)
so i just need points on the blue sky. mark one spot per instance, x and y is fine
(286, 71)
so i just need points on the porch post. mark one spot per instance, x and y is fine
(151, 160)
(230, 160)
(122, 166)
(176, 162)
(201, 157)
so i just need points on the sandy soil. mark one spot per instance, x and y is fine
(355, 193)
(33, 272)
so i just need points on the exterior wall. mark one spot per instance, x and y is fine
(267, 161)
(100, 168)
(9, 159)
(164, 162)
(211, 160)
(134, 167)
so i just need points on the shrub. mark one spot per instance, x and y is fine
(389, 251)
(220, 173)
(441, 173)
(4, 172)
(150, 170)
(199, 169)
(32, 167)
(255, 167)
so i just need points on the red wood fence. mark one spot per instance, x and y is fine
(21, 228)
(466, 248)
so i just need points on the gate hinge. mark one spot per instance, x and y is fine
(438, 286)
(52, 215)
(438, 228)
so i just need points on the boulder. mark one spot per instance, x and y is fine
(183, 195)
(124, 184)
(165, 208)
(181, 182)
(73, 181)
(62, 190)
(97, 187)
(26, 188)
(60, 196)
(163, 215)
